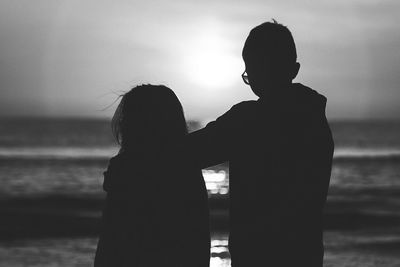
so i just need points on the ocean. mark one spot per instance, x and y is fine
(51, 193)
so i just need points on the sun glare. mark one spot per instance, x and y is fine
(210, 62)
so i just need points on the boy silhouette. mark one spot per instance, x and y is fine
(280, 152)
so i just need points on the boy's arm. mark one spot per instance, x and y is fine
(210, 145)
(206, 147)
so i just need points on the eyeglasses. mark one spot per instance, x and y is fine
(245, 78)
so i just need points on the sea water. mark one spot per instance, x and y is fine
(66, 157)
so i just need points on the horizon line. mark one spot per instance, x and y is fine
(203, 121)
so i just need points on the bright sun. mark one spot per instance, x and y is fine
(210, 62)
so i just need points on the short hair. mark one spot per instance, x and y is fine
(270, 41)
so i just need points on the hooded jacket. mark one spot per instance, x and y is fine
(280, 155)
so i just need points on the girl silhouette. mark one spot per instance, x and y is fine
(156, 212)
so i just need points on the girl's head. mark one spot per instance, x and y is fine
(147, 116)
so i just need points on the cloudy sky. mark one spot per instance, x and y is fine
(72, 58)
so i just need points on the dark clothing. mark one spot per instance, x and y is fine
(154, 215)
(280, 155)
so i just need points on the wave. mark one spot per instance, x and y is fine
(107, 152)
(57, 152)
(367, 153)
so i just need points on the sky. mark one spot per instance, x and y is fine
(73, 58)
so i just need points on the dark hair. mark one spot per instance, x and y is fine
(147, 116)
(270, 41)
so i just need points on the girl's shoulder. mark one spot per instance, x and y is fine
(123, 173)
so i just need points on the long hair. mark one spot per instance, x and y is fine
(147, 116)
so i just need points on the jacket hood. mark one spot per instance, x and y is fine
(307, 99)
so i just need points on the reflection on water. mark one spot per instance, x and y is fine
(60, 252)
(217, 182)
(219, 253)
(218, 262)
(31, 175)
(343, 248)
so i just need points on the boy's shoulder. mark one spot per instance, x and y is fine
(243, 107)
(239, 113)
(245, 104)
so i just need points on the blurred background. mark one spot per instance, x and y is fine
(63, 65)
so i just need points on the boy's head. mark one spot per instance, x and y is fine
(270, 57)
